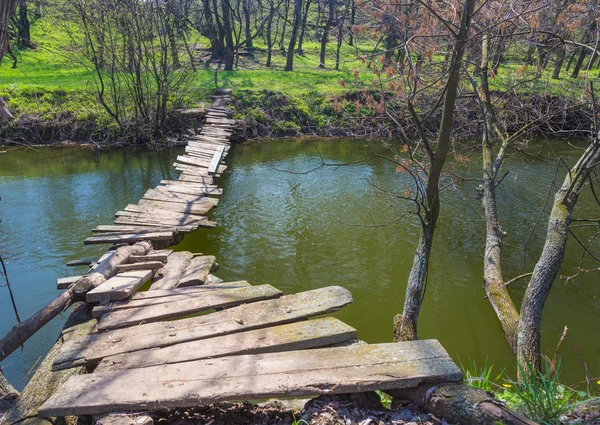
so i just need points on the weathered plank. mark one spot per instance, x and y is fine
(196, 208)
(169, 275)
(214, 163)
(161, 296)
(137, 210)
(112, 238)
(65, 282)
(118, 228)
(262, 314)
(151, 256)
(355, 368)
(196, 271)
(206, 188)
(294, 336)
(119, 287)
(185, 177)
(192, 169)
(159, 221)
(190, 189)
(166, 196)
(147, 265)
(175, 309)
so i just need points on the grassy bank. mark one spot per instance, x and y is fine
(51, 93)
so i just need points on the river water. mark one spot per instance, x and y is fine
(297, 230)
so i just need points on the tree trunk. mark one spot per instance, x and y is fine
(492, 260)
(579, 63)
(269, 38)
(560, 59)
(289, 65)
(228, 36)
(37, 14)
(7, 11)
(406, 325)
(548, 265)
(325, 36)
(219, 51)
(352, 20)
(299, 50)
(24, 33)
(247, 32)
(287, 12)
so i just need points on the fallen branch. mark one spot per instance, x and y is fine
(76, 292)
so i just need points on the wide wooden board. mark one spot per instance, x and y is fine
(355, 368)
(119, 287)
(216, 159)
(166, 196)
(65, 282)
(112, 238)
(119, 228)
(188, 291)
(286, 309)
(174, 309)
(294, 336)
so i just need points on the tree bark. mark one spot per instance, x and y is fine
(560, 59)
(104, 271)
(553, 253)
(325, 37)
(299, 50)
(247, 32)
(228, 36)
(7, 11)
(492, 260)
(24, 33)
(405, 326)
(289, 64)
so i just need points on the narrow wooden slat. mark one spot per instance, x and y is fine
(166, 196)
(188, 291)
(180, 308)
(161, 296)
(214, 163)
(65, 282)
(119, 287)
(152, 256)
(185, 177)
(193, 190)
(147, 265)
(118, 228)
(356, 368)
(159, 221)
(289, 308)
(196, 208)
(112, 238)
(294, 336)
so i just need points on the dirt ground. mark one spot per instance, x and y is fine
(347, 409)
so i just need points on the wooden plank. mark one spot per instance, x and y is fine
(289, 308)
(196, 271)
(196, 208)
(119, 287)
(211, 120)
(206, 188)
(152, 256)
(294, 336)
(185, 177)
(167, 196)
(180, 308)
(355, 368)
(165, 209)
(188, 290)
(207, 147)
(159, 221)
(117, 228)
(214, 163)
(169, 275)
(112, 238)
(200, 171)
(161, 296)
(193, 190)
(74, 263)
(146, 265)
(65, 282)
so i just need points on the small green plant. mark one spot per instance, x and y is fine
(540, 395)
(298, 421)
(386, 399)
(480, 377)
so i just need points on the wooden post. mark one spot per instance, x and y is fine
(102, 272)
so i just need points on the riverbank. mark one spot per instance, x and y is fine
(275, 114)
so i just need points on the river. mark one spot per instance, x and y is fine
(298, 230)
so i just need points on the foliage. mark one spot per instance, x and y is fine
(386, 399)
(480, 376)
(539, 394)
(298, 421)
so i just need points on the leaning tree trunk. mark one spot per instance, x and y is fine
(548, 265)
(7, 11)
(405, 326)
(492, 260)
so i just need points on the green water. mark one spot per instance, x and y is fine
(301, 231)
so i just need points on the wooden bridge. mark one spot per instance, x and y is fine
(192, 339)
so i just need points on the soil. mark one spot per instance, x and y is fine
(345, 409)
